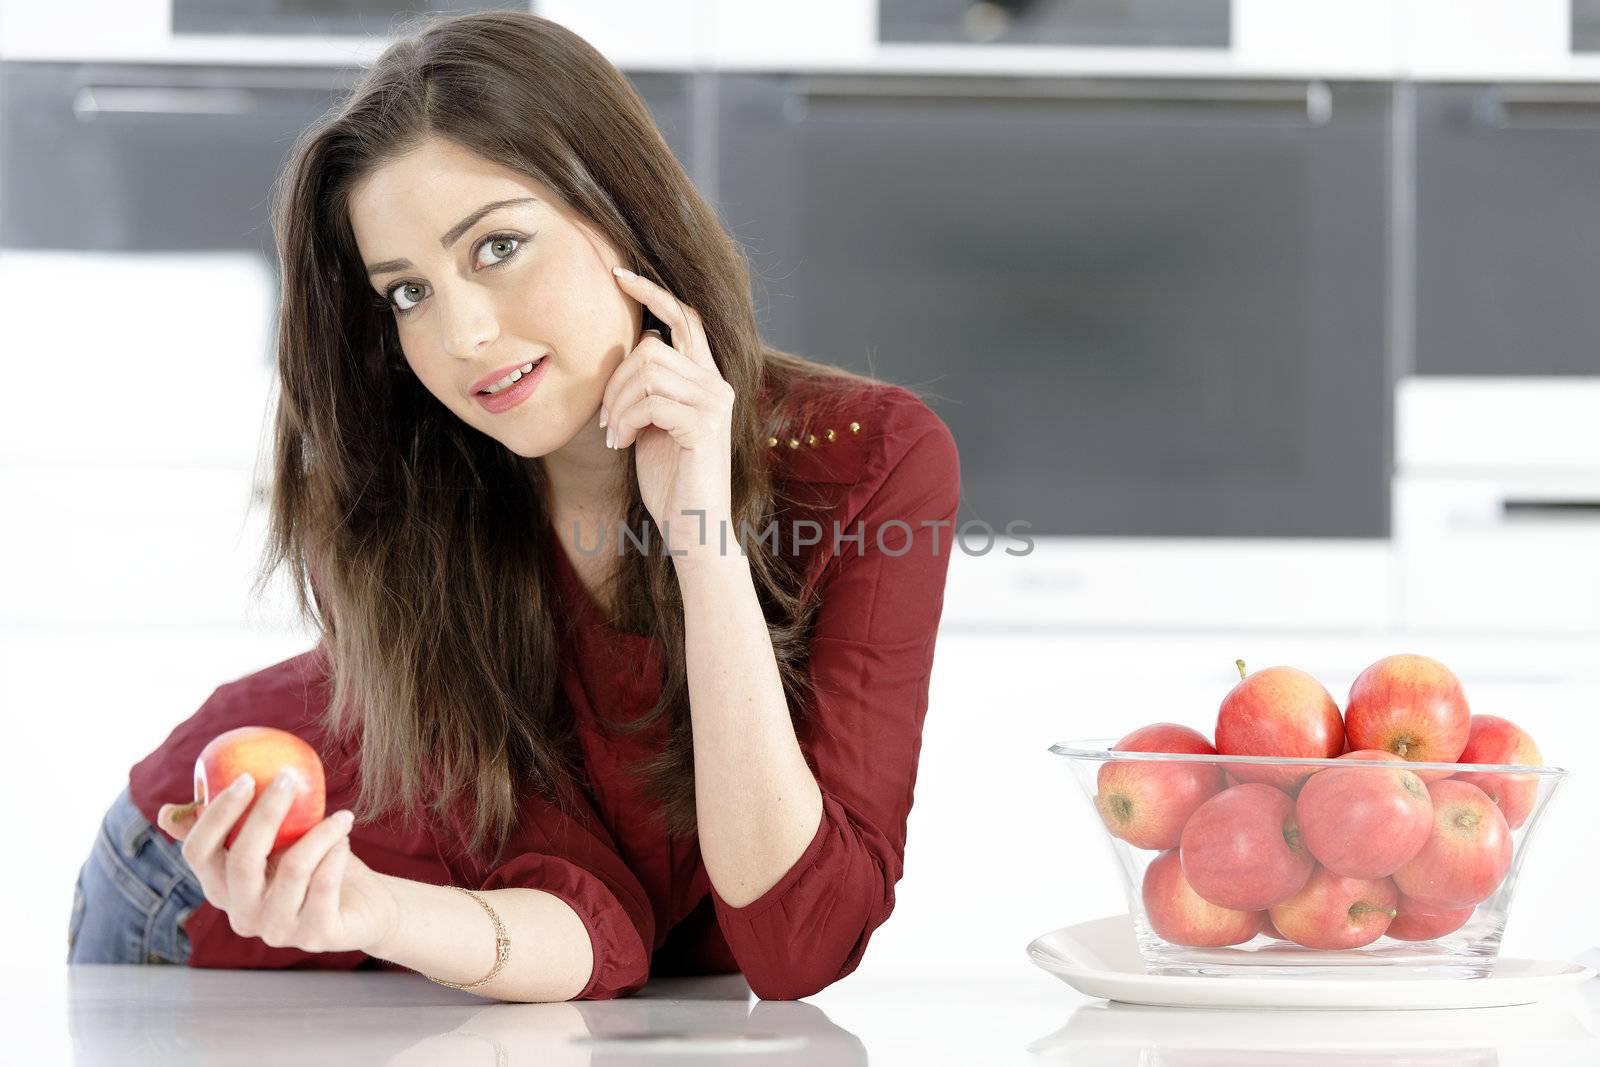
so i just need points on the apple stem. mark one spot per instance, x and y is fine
(1361, 908)
(183, 811)
(1400, 748)
(1240, 664)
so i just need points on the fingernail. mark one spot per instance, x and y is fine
(602, 415)
(285, 780)
(611, 437)
(624, 273)
(242, 785)
(345, 817)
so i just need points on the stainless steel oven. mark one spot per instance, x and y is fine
(1586, 25)
(319, 17)
(1144, 307)
(1103, 23)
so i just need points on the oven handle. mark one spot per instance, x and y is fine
(1312, 99)
(1537, 107)
(1543, 510)
(245, 96)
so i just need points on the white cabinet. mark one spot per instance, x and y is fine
(134, 547)
(115, 359)
(1353, 39)
(635, 34)
(1497, 505)
(1448, 40)
(1499, 552)
(1166, 583)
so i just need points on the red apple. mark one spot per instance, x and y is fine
(1180, 915)
(1279, 711)
(1364, 822)
(1494, 740)
(1371, 753)
(260, 751)
(1242, 848)
(1411, 706)
(1333, 911)
(1264, 923)
(1467, 853)
(1419, 922)
(1146, 802)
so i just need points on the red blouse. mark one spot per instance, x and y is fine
(647, 901)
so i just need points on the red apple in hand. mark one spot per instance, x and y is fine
(260, 751)
(1242, 849)
(1333, 911)
(1146, 802)
(1279, 711)
(1364, 822)
(1494, 740)
(1419, 922)
(1467, 854)
(1179, 915)
(1411, 706)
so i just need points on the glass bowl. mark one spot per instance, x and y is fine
(1362, 821)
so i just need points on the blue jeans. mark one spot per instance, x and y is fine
(133, 894)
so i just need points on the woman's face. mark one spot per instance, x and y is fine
(521, 282)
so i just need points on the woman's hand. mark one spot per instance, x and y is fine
(315, 895)
(672, 401)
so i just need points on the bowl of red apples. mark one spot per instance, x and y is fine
(1300, 840)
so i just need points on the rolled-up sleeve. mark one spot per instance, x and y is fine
(870, 662)
(608, 899)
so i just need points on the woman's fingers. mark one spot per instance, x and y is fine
(279, 921)
(681, 420)
(172, 828)
(688, 334)
(202, 846)
(246, 860)
(320, 914)
(656, 371)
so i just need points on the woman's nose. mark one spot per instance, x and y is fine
(469, 323)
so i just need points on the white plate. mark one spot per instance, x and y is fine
(1101, 959)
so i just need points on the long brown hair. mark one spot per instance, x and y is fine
(419, 535)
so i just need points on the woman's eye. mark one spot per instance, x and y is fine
(501, 239)
(491, 241)
(402, 287)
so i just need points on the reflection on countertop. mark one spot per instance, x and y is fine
(106, 1014)
(1553, 1034)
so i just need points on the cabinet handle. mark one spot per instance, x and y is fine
(1513, 509)
(241, 96)
(1309, 102)
(1538, 107)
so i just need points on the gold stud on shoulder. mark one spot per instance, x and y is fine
(811, 439)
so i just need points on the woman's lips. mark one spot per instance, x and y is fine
(506, 399)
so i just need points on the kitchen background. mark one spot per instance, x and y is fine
(1278, 321)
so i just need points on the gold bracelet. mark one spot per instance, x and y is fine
(502, 946)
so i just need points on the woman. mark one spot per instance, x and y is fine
(637, 658)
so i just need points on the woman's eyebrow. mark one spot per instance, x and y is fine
(452, 235)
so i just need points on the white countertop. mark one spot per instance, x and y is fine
(94, 1014)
